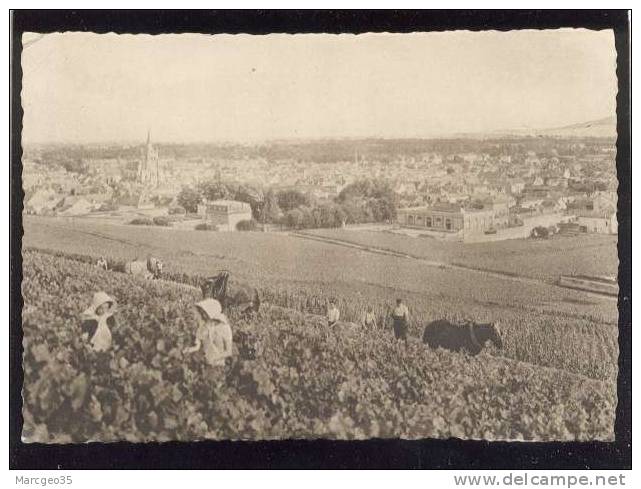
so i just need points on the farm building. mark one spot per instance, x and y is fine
(225, 214)
(598, 215)
(454, 218)
(598, 222)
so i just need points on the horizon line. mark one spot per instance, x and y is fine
(493, 133)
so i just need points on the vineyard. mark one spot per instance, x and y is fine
(305, 381)
(543, 259)
(543, 325)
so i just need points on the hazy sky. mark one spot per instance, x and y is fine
(80, 87)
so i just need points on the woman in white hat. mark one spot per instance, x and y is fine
(214, 333)
(97, 319)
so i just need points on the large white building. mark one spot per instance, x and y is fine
(225, 214)
(598, 222)
(454, 218)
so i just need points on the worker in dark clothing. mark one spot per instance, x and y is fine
(400, 318)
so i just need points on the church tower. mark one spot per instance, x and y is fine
(149, 172)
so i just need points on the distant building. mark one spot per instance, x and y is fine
(597, 215)
(601, 223)
(150, 171)
(112, 175)
(453, 218)
(517, 186)
(225, 214)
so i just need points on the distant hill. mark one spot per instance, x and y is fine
(606, 127)
(599, 128)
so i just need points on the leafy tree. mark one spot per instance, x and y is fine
(271, 211)
(253, 196)
(294, 218)
(291, 199)
(206, 226)
(316, 215)
(247, 225)
(340, 216)
(161, 221)
(375, 199)
(189, 198)
(141, 221)
(325, 216)
(214, 190)
(353, 211)
(161, 200)
(387, 210)
(331, 216)
(308, 217)
(75, 165)
(373, 188)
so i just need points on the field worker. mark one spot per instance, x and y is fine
(333, 314)
(97, 320)
(102, 263)
(400, 317)
(213, 334)
(369, 318)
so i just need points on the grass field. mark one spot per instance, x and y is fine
(544, 324)
(541, 259)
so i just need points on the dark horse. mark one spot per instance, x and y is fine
(470, 337)
(244, 298)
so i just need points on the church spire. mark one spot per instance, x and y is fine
(149, 170)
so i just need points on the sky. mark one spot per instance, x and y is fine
(84, 87)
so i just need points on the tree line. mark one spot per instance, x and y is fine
(363, 201)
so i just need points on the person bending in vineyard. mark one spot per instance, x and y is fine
(400, 317)
(333, 314)
(369, 318)
(102, 263)
(214, 333)
(97, 321)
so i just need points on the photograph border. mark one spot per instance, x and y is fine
(324, 454)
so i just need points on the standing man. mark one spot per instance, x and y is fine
(333, 314)
(400, 317)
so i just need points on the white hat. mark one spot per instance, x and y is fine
(99, 298)
(212, 308)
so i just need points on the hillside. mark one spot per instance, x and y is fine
(606, 127)
(305, 381)
(543, 324)
(598, 128)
